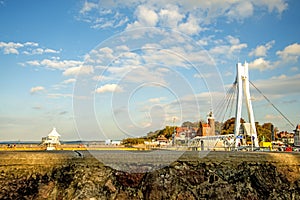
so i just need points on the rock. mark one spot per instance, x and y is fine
(220, 175)
(110, 186)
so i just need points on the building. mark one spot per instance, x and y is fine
(52, 140)
(162, 140)
(286, 137)
(207, 129)
(297, 136)
(184, 134)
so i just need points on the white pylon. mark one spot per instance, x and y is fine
(242, 82)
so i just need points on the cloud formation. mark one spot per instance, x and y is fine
(13, 47)
(261, 64)
(193, 15)
(261, 50)
(28, 48)
(290, 53)
(73, 71)
(36, 89)
(109, 88)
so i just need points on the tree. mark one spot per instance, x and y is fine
(190, 124)
(218, 127)
(228, 126)
(264, 131)
(133, 141)
(168, 131)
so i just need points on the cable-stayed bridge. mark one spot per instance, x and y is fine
(233, 102)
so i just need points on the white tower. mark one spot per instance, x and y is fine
(242, 82)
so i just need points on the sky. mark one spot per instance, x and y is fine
(115, 69)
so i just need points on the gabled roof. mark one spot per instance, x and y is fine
(54, 133)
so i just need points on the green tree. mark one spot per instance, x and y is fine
(187, 124)
(133, 141)
(228, 126)
(264, 131)
(218, 127)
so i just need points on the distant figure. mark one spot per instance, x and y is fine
(78, 154)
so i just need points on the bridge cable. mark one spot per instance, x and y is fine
(226, 102)
(233, 99)
(230, 101)
(273, 105)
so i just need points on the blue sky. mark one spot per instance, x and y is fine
(112, 69)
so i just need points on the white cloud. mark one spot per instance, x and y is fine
(102, 78)
(122, 48)
(274, 5)
(170, 16)
(174, 14)
(233, 40)
(205, 40)
(145, 17)
(280, 86)
(261, 50)
(228, 48)
(58, 95)
(99, 56)
(39, 51)
(36, 89)
(272, 117)
(261, 64)
(106, 50)
(11, 51)
(29, 48)
(191, 26)
(156, 100)
(290, 53)
(241, 10)
(71, 80)
(11, 47)
(109, 88)
(55, 64)
(51, 51)
(33, 63)
(282, 76)
(120, 71)
(73, 71)
(88, 6)
(238, 47)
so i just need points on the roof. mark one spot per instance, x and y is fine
(162, 138)
(183, 129)
(54, 133)
(205, 125)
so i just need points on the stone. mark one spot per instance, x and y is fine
(220, 175)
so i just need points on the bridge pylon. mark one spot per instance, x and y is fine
(242, 82)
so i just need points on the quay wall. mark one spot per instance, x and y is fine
(219, 175)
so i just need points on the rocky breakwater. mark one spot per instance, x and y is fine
(219, 175)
